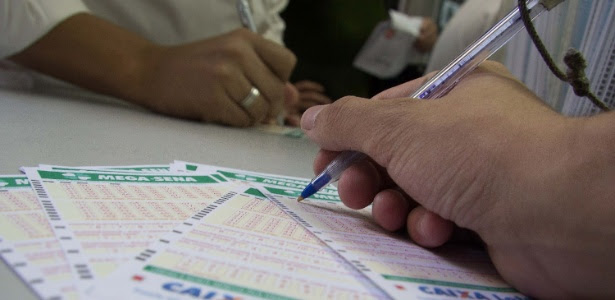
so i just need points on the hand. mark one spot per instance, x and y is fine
(207, 80)
(427, 37)
(301, 96)
(537, 187)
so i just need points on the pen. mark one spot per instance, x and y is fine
(443, 81)
(245, 15)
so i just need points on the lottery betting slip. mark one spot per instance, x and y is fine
(194, 231)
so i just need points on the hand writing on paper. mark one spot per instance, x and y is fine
(537, 187)
(205, 80)
(208, 79)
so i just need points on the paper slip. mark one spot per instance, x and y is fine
(102, 219)
(428, 268)
(408, 24)
(403, 269)
(27, 243)
(241, 246)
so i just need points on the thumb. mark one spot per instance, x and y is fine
(357, 124)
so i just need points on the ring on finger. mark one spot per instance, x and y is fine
(248, 101)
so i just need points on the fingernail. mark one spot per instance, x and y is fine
(422, 225)
(308, 120)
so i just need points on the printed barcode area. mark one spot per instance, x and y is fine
(38, 187)
(44, 198)
(143, 256)
(288, 211)
(224, 198)
(83, 271)
(205, 211)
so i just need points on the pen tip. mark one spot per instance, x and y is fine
(299, 199)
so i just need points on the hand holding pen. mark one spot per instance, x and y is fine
(442, 82)
(297, 97)
(490, 157)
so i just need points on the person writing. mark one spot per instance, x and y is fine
(188, 59)
(534, 185)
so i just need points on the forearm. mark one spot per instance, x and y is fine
(92, 53)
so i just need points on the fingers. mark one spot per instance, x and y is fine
(308, 85)
(353, 123)
(231, 115)
(428, 35)
(323, 158)
(359, 184)
(390, 209)
(308, 94)
(255, 107)
(428, 28)
(266, 64)
(293, 120)
(270, 85)
(428, 229)
(279, 59)
(291, 95)
(309, 99)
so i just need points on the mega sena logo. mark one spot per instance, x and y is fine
(445, 293)
(196, 292)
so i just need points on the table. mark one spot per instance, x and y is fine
(79, 130)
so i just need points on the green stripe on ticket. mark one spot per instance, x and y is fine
(109, 177)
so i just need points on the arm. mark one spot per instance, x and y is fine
(205, 80)
(90, 52)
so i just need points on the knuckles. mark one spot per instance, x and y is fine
(222, 70)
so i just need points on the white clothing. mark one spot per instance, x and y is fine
(23, 22)
(473, 18)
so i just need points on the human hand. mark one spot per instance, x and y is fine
(301, 96)
(428, 35)
(207, 80)
(492, 158)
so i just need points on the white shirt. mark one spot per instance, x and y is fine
(473, 18)
(166, 22)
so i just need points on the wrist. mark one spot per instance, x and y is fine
(133, 83)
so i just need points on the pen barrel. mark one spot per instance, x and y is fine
(245, 15)
(342, 162)
(446, 78)
(476, 53)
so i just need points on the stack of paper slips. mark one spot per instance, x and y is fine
(191, 231)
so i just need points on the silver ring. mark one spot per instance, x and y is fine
(249, 100)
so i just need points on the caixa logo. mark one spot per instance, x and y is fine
(444, 293)
(196, 292)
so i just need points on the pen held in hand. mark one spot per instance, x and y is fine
(442, 82)
(245, 15)
(247, 21)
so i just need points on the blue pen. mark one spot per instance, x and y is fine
(443, 81)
